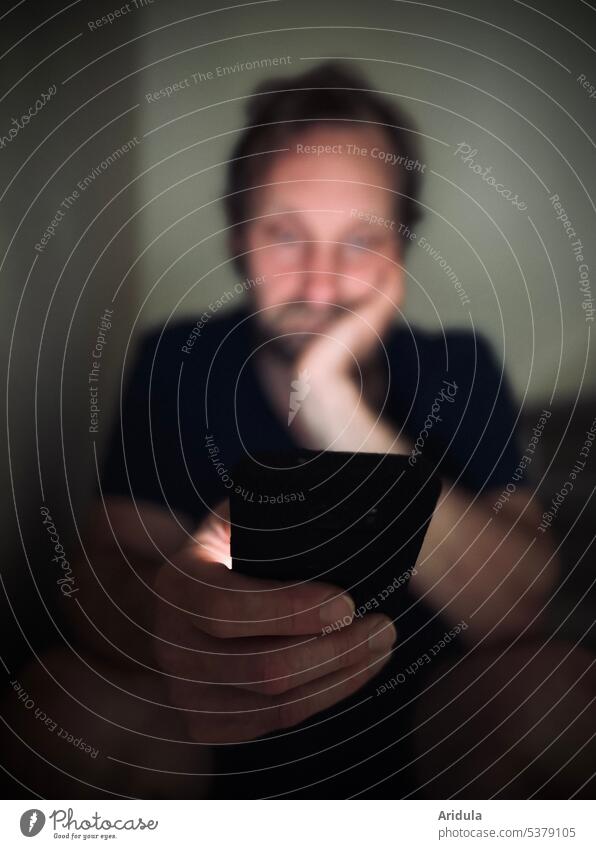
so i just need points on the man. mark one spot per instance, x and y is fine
(314, 231)
(260, 692)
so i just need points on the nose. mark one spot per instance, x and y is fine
(320, 274)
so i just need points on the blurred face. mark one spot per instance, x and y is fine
(324, 235)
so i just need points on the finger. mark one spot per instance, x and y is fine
(380, 307)
(234, 715)
(227, 604)
(293, 663)
(306, 701)
(274, 665)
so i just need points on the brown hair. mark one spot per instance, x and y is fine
(285, 107)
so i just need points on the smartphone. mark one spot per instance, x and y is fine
(356, 520)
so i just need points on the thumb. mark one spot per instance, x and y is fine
(213, 535)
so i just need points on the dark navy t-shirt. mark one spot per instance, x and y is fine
(194, 404)
(190, 411)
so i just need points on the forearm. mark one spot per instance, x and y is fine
(492, 570)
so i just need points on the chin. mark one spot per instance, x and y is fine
(288, 348)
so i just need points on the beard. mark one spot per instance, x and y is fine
(288, 329)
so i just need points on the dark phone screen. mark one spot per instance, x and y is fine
(355, 520)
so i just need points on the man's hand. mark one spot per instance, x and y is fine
(244, 656)
(332, 413)
(344, 346)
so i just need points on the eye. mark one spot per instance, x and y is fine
(286, 236)
(282, 233)
(359, 242)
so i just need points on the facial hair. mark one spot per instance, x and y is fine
(287, 345)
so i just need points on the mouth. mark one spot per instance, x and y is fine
(303, 326)
(304, 321)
